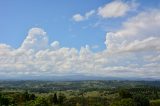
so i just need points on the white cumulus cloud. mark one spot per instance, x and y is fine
(36, 40)
(131, 51)
(116, 8)
(138, 33)
(79, 17)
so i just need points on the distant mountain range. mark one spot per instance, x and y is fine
(73, 78)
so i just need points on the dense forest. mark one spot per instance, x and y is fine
(80, 93)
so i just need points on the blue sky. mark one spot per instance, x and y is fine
(55, 17)
(114, 36)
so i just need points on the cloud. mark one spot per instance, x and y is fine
(117, 8)
(55, 45)
(131, 51)
(138, 40)
(95, 47)
(148, 44)
(5, 49)
(139, 33)
(79, 17)
(144, 24)
(114, 9)
(151, 58)
(36, 40)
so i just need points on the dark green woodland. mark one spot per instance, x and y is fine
(80, 93)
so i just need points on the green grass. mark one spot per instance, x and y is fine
(155, 102)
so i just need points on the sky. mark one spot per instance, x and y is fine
(105, 38)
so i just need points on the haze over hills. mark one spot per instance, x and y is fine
(76, 78)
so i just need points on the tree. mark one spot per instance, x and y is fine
(155, 93)
(0, 99)
(61, 98)
(140, 100)
(4, 101)
(25, 96)
(55, 100)
(123, 102)
(77, 104)
(32, 97)
(124, 94)
(40, 102)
